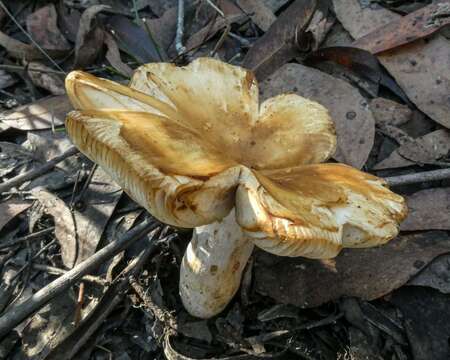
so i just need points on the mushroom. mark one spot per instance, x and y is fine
(193, 146)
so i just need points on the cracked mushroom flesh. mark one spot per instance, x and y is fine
(195, 148)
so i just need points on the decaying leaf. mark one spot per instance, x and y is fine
(318, 28)
(113, 56)
(65, 230)
(428, 210)
(43, 76)
(260, 14)
(163, 29)
(426, 318)
(21, 51)
(206, 33)
(279, 44)
(363, 273)
(43, 27)
(354, 122)
(421, 68)
(42, 114)
(89, 37)
(94, 211)
(48, 327)
(6, 79)
(388, 112)
(133, 39)
(435, 275)
(416, 25)
(9, 209)
(423, 150)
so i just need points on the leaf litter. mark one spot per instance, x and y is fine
(384, 79)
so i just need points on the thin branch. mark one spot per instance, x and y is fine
(433, 175)
(32, 236)
(21, 311)
(180, 29)
(35, 173)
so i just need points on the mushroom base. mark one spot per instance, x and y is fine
(212, 266)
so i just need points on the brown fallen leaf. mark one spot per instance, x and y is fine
(279, 44)
(13, 157)
(133, 39)
(435, 275)
(68, 21)
(113, 56)
(364, 273)
(318, 28)
(43, 28)
(65, 230)
(359, 61)
(44, 77)
(94, 211)
(426, 319)
(424, 150)
(42, 114)
(9, 209)
(421, 68)
(428, 210)
(89, 37)
(260, 14)
(206, 33)
(163, 29)
(354, 122)
(416, 25)
(274, 5)
(388, 112)
(22, 51)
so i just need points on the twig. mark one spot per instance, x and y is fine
(57, 271)
(32, 236)
(35, 173)
(30, 37)
(214, 6)
(17, 68)
(112, 297)
(433, 175)
(180, 29)
(21, 311)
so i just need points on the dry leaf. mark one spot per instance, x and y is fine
(22, 51)
(163, 29)
(6, 79)
(65, 230)
(260, 14)
(279, 44)
(363, 273)
(435, 275)
(206, 33)
(92, 215)
(354, 123)
(388, 112)
(421, 68)
(274, 5)
(428, 210)
(89, 37)
(43, 28)
(113, 56)
(423, 150)
(133, 39)
(44, 77)
(321, 23)
(416, 25)
(9, 209)
(426, 318)
(42, 114)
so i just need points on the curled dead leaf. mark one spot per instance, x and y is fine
(65, 230)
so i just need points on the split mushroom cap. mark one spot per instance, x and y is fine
(192, 143)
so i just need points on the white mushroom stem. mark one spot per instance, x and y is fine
(212, 266)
